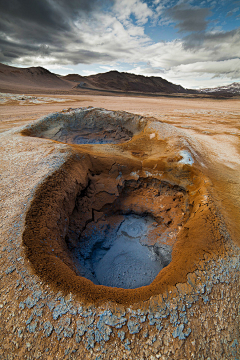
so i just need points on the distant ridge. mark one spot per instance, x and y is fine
(126, 82)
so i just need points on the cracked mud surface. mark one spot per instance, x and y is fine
(68, 211)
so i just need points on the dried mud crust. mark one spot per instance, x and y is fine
(90, 188)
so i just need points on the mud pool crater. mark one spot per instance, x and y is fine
(115, 233)
(109, 223)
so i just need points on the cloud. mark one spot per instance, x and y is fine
(196, 75)
(70, 32)
(216, 47)
(188, 18)
(27, 27)
(41, 20)
(125, 8)
(219, 45)
(232, 12)
(208, 55)
(229, 68)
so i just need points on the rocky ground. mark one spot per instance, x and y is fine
(179, 183)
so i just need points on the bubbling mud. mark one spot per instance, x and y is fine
(126, 239)
(117, 258)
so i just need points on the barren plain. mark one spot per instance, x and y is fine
(171, 171)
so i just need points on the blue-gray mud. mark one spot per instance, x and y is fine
(116, 257)
(196, 318)
(122, 235)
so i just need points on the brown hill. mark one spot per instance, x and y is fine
(73, 77)
(115, 80)
(12, 78)
(126, 82)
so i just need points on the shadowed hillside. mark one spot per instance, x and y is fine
(126, 82)
(32, 77)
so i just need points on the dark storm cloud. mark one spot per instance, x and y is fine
(10, 51)
(17, 12)
(87, 57)
(209, 41)
(189, 18)
(14, 51)
(53, 13)
(29, 27)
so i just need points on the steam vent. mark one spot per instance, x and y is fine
(115, 245)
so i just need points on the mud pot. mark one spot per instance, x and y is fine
(129, 213)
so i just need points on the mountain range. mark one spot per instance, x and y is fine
(233, 89)
(39, 79)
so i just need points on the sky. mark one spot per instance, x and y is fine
(192, 43)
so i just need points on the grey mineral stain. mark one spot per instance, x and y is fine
(121, 335)
(180, 334)
(48, 328)
(186, 157)
(10, 270)
(133, 326)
